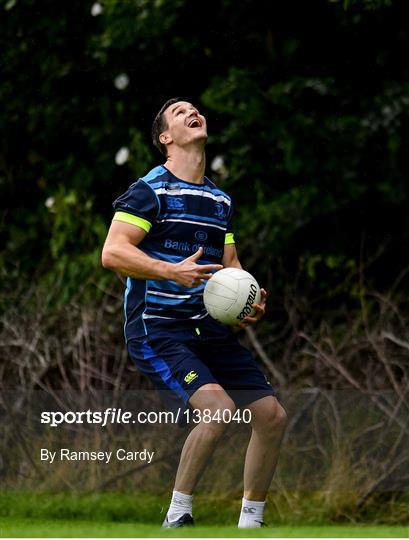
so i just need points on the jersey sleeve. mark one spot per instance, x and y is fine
(229, 238)
(138, 206)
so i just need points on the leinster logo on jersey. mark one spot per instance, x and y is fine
(175, 203)
(201, 236)
(219, 210)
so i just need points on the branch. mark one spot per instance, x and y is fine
(263, 356)
(394, 339)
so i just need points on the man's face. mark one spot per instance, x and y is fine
(185, 125)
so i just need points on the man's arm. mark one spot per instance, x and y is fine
(121, 254)
(230, 257)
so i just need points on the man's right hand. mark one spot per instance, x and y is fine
(189, 274)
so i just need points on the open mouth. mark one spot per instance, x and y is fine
(194, 123)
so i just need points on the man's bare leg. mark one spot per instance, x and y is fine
(268, 426)
(198, 446)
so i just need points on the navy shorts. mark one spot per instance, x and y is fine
(181, 356)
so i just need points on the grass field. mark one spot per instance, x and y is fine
(139, 514)
(10, 527)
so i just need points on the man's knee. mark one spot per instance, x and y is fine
(214, 407)
(212, 397)
(280, 416)
(269, 416)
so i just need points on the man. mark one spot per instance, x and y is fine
(171, 230)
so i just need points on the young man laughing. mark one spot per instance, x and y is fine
(171, 230)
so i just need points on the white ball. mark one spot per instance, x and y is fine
(229, 295)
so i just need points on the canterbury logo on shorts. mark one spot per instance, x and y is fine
(191, 376)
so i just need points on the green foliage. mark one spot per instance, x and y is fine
(72, 220)
(311, 123)
(366, 4)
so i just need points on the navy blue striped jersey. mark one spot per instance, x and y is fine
(178, 217)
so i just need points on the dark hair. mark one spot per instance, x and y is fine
(160, 125)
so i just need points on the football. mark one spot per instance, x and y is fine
(230, 294)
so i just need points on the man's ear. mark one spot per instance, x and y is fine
(165, 138)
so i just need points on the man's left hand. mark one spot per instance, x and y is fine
(259, 309)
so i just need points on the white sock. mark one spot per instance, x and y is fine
(180, 504)
(251, 515)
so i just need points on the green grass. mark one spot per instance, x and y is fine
(139, 514)
(10, 527)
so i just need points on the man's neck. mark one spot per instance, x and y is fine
(187, 164)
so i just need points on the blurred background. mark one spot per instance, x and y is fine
(308, 112)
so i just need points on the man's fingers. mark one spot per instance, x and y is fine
(208, 267)
(198, 280)
(250, 318)
(196, 256)
(247, 320)
(255, 318)
(258, 308)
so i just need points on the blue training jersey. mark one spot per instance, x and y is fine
(179, 217)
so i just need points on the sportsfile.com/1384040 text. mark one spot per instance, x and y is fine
(119, 416)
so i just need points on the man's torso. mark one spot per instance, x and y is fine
(183, 217)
